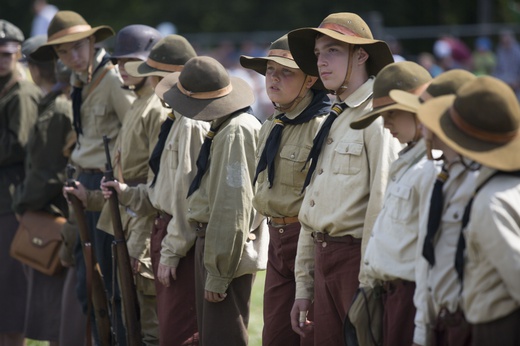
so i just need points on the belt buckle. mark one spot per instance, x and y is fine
(319, 237)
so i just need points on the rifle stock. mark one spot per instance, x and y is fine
(97, 299)
(122, 260)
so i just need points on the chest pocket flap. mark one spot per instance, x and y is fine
(401, 191)
(294, 153)
(349, 148)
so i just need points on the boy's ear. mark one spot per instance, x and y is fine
(362, 55)
(309, 81)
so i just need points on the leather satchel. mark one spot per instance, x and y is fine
(37, 241)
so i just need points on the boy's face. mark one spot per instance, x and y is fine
(283, 84)
(7, 63)
(332, 56)
(75, 55)
(401, 124)
(127, 79)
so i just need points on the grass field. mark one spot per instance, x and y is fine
(255, 321)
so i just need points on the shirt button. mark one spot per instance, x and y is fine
(312, 203)
(280, 230)
(189, 210)
(366, 263)
(456, 215)
(324, 244)
(320, 171)
(292, 156)
(393, 178)
(329, 140)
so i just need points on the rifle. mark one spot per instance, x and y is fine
(122, 260)
(96, 296)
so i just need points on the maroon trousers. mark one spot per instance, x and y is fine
(504, 331)
(280, 288)
(335, 283)
(452, 329)
(399, 313)
(223, 323)
(176, 308)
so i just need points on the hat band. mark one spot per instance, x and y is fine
(338, 28)
(282, 53)
(382, 101)
(467, 128)
(69, 31)
(205, 95)
(163, 66)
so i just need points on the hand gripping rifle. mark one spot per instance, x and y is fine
(122, 261)
(96, 295)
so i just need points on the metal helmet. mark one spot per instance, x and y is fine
(135, 41)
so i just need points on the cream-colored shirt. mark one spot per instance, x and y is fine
(103, 108)
(177, 169)
(284, 198)
(392, 248)
(438, 286)
(224, 199)
(132, 149)
(492, 266)
(346, 191)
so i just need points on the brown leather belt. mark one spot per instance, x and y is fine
(135, 182)
(284, 220)
(320, 237)
(449, 319)
(90, 170)
(201, 229)
(391, 285)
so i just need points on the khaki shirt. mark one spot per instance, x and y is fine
(492, 266)
(439, 286)
(133, 147)
(177, 169)
(392, 248)
(284, 198)
(346, 191)
(224, 199)
(103, 108)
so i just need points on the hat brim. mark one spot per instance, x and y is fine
(301, 43)
(371, 116)
(434, 114)
(46, 51)
(405, 98)
(142, 69)
(10, 47)
(205, 109)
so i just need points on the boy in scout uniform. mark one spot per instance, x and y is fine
(481, 122)
(99, 105)
(284, 144)
(220, 196)
(389, 259)
(18, 112)
(172, 162)
(347, 175)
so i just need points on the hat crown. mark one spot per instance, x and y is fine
(350, 21)
(204, 74)
(135, 41)
(10, 32)
(488, 105)
(281, 43)
(63, 20)
(404, 75)
(32, 43)
(172, 50)
(449, 82)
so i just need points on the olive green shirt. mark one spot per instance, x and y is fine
(284, 198)
(224, 198)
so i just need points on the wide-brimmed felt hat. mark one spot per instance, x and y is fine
(134, 42)
(278, 52)
(444, 84)
(30, 45)
(405, 75)
(168, 55)
(10, 37)
(204, 90)
(345, 27)
(480, 122)
(66, 27)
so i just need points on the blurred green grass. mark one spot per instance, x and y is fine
(256, 321)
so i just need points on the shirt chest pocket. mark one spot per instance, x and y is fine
(452, 219)
(170, 155)
(347, 158)
(399, 202)
(100, 118)
(292, 159)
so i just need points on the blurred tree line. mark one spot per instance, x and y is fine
(203, 16)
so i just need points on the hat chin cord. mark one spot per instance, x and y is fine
(90, 59)
(294, 102)
(344, 86)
